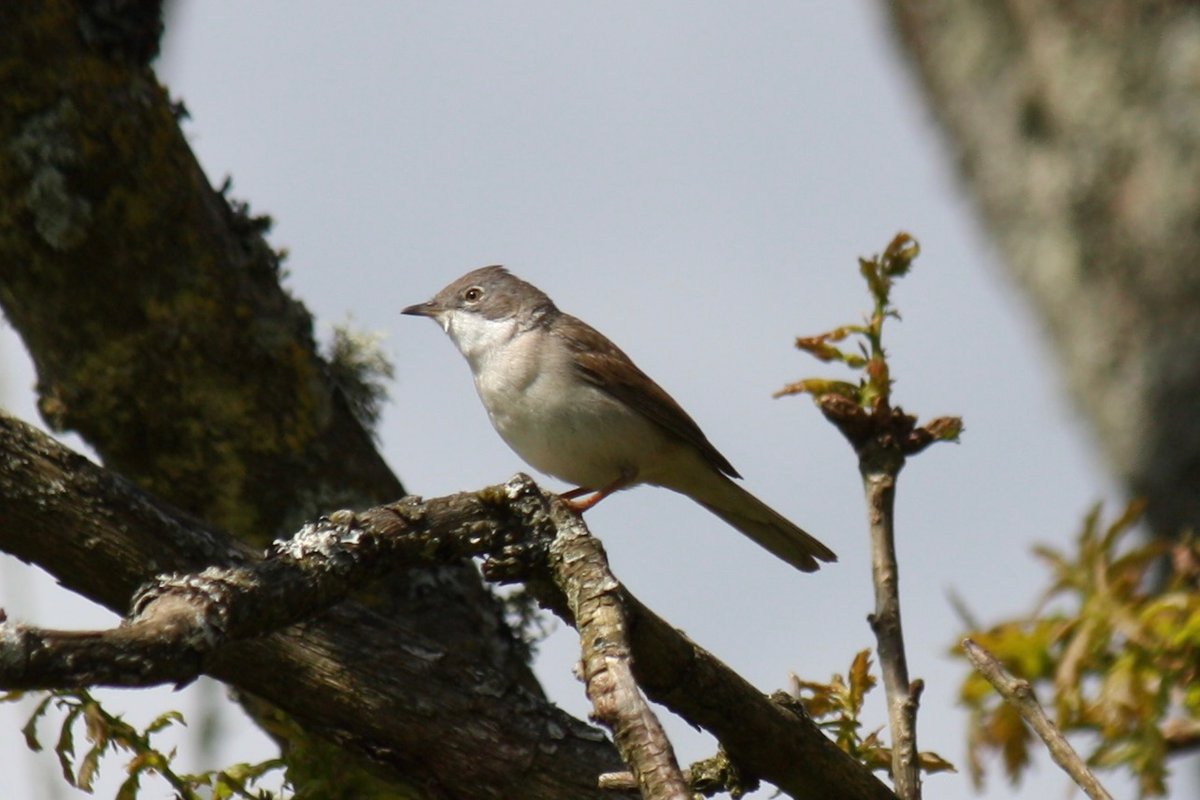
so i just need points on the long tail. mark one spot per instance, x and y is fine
(764, 525)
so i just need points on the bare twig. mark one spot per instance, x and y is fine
(879, 467)
(882, 438)
(1021, 695)
(625, 781)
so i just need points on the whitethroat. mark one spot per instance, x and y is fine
(572, 405)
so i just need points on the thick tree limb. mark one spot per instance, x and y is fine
(347, 691)
(179, 620)
(407, 705)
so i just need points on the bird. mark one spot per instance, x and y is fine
(574, 406)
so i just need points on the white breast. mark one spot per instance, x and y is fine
(557, 423)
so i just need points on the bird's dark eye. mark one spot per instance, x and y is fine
(472, 294)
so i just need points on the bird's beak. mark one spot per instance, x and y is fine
(427, 309)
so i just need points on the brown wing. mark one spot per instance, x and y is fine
(603, 364)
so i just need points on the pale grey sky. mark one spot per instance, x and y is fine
(697, 181)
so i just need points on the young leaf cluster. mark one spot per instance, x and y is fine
(837, 706)
(105, 732)
(863, 411)
(867, 353)
(1115, 643)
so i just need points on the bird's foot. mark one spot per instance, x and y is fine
(576, 501)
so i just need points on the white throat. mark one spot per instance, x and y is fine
(478, 338)
(557, 422)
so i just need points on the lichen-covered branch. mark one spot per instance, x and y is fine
(409, 706)
(178, 620)
(366, 695)
(579, 568)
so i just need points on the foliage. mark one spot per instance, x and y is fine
(530, 625)
(837, 707)
(360, 368)
(1119, 651)
(105, 732)
(863, 410)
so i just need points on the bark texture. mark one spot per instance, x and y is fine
(152, 309)
(416, 710)
(434, 721)
(1076, 127)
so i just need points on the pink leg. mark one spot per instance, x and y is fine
(579, 506)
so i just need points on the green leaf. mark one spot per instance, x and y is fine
(1123, 651)
(65, 748)
(165, 720)
(129, 789)
(89, 767)
(1009, 732)
(819, 387)
(945, 429)
(899, 255)
(974, 690)
(30, 729)
(860, 681)
(931, 762)
(97, 723)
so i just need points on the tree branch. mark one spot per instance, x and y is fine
(579, 569)
(879, 475)
(883, 437)
(178, 620)
(407, 705)
(325, 664)
(1020, 694)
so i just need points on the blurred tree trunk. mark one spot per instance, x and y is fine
(1076, 127)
